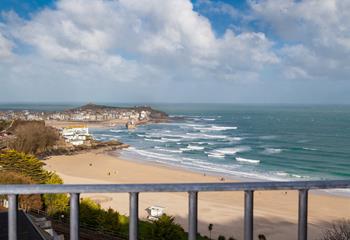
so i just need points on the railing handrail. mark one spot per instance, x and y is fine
(170, 187)
(192, 188)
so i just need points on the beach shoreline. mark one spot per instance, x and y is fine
(90, 124)
(222, 177)
(275, 214)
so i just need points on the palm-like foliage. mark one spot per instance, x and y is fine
(28, 166)
(25, 164)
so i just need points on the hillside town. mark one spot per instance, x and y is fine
(73, 124)
(87, 113)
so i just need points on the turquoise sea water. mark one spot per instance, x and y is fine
(255, 142)
(242, 141)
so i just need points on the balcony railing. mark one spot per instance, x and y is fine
(12, 191)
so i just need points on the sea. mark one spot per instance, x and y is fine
(255, 142)
(262, 142)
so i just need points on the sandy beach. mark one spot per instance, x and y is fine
(89, 124)
(275, 212)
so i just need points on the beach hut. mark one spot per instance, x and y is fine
(154, 212)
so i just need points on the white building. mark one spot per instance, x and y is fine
(75, 135)
(154, 212)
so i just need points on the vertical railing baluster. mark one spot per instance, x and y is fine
(248, 215)
(192, 215)
(74, 216)
(12, 216)
(303, 209)
(133, 215)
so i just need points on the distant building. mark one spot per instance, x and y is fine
(154, 212)
(75, 135)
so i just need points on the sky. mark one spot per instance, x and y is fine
(238, 51)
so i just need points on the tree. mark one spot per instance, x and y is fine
(165, 228)
(33, 137)
(29, 166)
(24, 164)
(210, 228)
(90, 212)
(109, 220)
(221, 237)
(339, 230)
(55, 203)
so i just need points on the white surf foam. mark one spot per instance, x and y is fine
(246, 160)
(283, 174)
(155, 140)
(152, 155)
(309, 149)
(171, 139)
(272, 150)
(233, 150)
(209, 119)
(168, 150)
(204, 136)
(214, 128)
(117, 130)
(216, 155)
(192, 148)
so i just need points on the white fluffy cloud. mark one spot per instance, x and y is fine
(317, 34)
(107, 48)
(160, 35)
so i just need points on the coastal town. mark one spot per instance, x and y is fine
(72, 125)
(88, 113)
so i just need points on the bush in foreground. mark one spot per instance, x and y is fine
(24, 164)
(55, 203)
(25, 201)
(339, 230)
(27, 169)
(165, 228)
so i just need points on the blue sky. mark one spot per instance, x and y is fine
(255, 51)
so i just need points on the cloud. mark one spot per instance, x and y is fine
(158, 32)
(157, 50)
(5, 47)
(316, 35)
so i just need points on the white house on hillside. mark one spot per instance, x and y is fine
(75, 135)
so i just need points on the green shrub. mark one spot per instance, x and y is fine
(24, 164)
(30, 167)
(91, 214)
(221, 237)
(25, 201)
(165, 228)
(55, 203)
